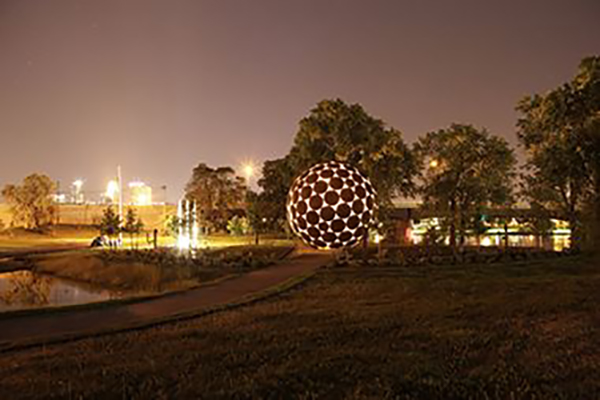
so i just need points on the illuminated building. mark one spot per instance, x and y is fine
(112, 192)
(140, 194)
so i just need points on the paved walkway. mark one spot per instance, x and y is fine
(27, 329)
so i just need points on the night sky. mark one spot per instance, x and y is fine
(159, 86)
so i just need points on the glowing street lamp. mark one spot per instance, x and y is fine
(248, 171)
(434, 163)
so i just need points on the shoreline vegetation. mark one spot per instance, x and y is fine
(160, 271)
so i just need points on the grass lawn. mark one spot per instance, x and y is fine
(63, 235)
(20, 238)
(494, 331)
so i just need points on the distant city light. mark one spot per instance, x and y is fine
(140, 193)
(59, 197)
(77, 193)
(377, 238)
(433, 163)
(486, 241)
(112, 191)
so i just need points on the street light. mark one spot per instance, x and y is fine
(248, 171)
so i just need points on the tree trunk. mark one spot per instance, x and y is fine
(596, 222)
(453, 224)
(575, 244)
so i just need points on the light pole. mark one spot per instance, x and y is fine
(120, 186)
(248, 171)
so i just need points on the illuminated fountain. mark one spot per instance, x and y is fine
(188, 230)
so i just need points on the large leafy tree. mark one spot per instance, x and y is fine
(277, 176)
(560, 131)
(217, 192)
(465, 170)
(334, 130)
(337, 131)
(31, 202)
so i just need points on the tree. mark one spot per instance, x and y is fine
(217, 193)
(31, 202)
(133, 225)
(334, 130)
(276, 179)
(346, 133)
(466, 169)
(539, 224)
(263, 214)
(110, 225)
(173, 224)
(238, 226)
(560, 131)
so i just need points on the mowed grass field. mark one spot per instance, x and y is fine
(82, 236)
(446, 332)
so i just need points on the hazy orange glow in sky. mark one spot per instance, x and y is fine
(159, 86)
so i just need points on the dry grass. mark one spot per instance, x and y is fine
(155, 271)
(528, 331)
(133, 276)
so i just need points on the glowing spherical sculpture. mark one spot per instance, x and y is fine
(331, 205)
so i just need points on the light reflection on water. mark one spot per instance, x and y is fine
(25, 289)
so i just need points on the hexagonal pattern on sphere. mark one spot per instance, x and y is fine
(331, 205)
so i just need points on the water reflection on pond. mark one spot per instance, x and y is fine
(25, 289)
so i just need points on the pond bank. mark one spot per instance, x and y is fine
(33, 328)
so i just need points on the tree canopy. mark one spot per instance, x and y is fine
(337, 131)
(217, 192)
(110, 224)
(334, 130)
(277, 176)
(31, 202)
(560, 131)
(133, 225)
(464, 169)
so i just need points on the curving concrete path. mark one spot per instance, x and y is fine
(32, 329)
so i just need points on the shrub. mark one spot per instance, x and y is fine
(238, 226)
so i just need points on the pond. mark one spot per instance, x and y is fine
(26, 289)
